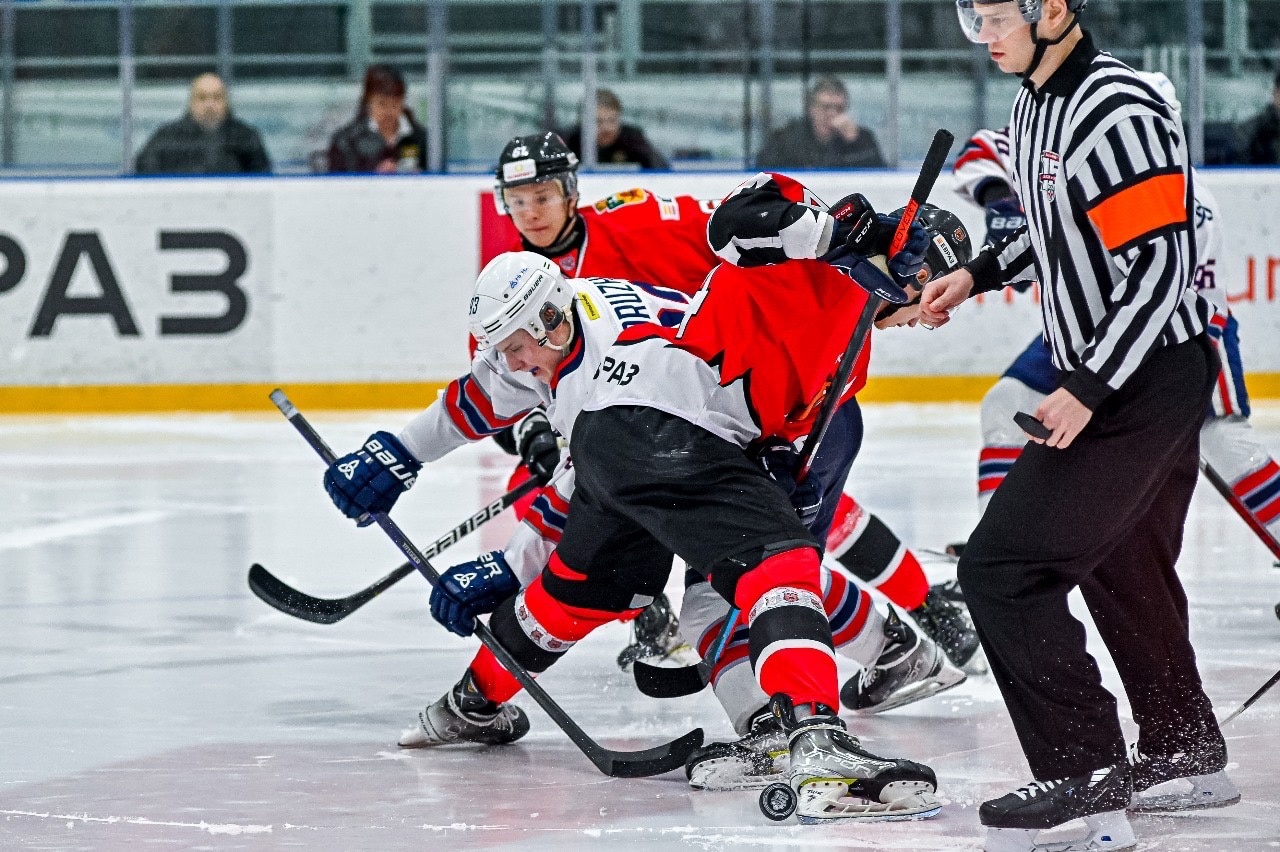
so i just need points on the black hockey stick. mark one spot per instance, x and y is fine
(1241, 509)
(674, 682)
(1275, 678)
(615, 764)
(277, 593)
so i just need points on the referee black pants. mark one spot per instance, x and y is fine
(1106, 515)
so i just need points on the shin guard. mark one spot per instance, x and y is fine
(790, 636)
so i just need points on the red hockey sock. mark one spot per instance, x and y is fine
(790, 635)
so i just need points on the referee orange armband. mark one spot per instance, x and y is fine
(1137, 210)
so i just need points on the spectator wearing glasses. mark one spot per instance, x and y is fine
(826, 137)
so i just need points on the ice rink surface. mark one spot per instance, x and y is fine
(149, 701)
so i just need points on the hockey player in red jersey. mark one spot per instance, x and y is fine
(639, 235)
(636, 235)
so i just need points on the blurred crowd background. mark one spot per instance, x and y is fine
(299, 86)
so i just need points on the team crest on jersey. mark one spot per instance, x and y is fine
(1050, 163)
(568, 263)
(621, 199)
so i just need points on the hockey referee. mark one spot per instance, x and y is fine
(1100, 164)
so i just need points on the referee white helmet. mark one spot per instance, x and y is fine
(518, 290)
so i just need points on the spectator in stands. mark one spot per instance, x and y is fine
(827, 137)
(208, 140)
(616, 142)
(1260, 135)
(384, 137)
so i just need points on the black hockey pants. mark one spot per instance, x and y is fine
(1107, 515)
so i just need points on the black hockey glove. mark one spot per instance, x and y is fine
(861, 233)
(782, 463)
(539, 447)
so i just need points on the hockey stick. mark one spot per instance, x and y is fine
(1275, 678)
(674, 682)
(615, 764)
(277, 593)
(1241, 509)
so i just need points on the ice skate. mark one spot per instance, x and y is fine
(463, 715)
(910, 667)
(832, 777)
(948, 625)
(1015, 821)
(1186, 780)
(655, 634)
(755, 761)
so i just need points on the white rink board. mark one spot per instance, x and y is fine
(366, 279)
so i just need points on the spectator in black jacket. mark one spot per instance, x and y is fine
(208, 140)
(826, 137)
(1261, 134)
(616, 142)
(384, 137)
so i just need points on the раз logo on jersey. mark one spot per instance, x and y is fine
(1050, 163)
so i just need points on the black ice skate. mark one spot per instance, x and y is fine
(655, 632)
(832, 777)
(755, 761)
(948, 625)
(910, 667)
(1014, 822)
(1183, 781)
(463, 715)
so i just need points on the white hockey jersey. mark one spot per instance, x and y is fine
(491, 397)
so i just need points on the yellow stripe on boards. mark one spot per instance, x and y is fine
(122, 399)
(126, 399)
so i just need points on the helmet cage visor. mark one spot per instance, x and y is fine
(986, 23)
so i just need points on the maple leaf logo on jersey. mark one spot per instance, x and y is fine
(1050, 163)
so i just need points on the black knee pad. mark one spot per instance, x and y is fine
(506, 628)
(872, 552)
(725, 574)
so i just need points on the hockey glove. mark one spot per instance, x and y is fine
(782, 463)
(470, 589)
(372, 478)
(1004, 219)
(539, 447)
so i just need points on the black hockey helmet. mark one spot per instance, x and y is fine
(535, 159)
(949, 243)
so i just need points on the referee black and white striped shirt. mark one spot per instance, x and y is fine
(1100, 163)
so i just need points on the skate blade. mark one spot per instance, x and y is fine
(1105, 832)
(949, 677)
(719, 781)
(1206, 791)
(823, 802)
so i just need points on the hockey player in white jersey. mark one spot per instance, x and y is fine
(522, 299)
(1227, 442)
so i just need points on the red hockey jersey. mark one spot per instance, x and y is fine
(640, 236)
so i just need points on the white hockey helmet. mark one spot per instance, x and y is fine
(518, 290)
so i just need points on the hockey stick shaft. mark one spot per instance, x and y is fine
(647, 677)
(1242, 510)
(1275, 678)
(278, 594)
(615, 764)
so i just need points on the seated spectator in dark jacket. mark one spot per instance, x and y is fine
(1260, 135)
(827, 137)
(208, 140)
(384, 137)
(616, 142)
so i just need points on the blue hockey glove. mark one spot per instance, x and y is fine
(782, 463)
(470, 589)
(905, 265)
(1004, 217)
(373, 477)
(539, 447)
